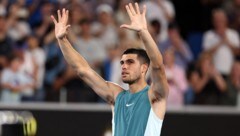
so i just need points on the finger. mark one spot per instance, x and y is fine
(132, 9)
(67, 13)
(128, 27)
(59, 15)
(68, 26)
(125, 26)
(129, 12)
(144, 10)
(54, 20)
(137, 8)
(63, 13)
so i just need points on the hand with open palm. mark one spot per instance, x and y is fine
(61, 26)
(138, 19)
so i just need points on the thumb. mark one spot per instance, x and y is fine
(68, 26)
(125, 26)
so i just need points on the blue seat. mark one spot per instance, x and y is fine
(195, 40)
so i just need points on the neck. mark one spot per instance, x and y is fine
(138, 86)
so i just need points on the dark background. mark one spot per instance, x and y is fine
(83, 123)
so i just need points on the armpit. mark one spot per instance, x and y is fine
(110, 100)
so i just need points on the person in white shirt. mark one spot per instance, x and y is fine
(164, 11)
(222, 42)
(39, 57)
(104, 27)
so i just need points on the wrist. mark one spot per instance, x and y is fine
(62, 38)
(143, 30)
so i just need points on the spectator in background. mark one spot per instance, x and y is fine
(109, 2)
(155, 29)
(75, 89)
(207, 82)
(176, 79)
(20, 28)
(222, 42)
(182, 52)
(121, 17)
(112, 67)
(6, 44)
(104, 28)
(39, 57)
(15, 83)
(189, 96)
(233, 85)
(163, 11)
(232, 8)
(53, 67)
(78, 13)
(93, 50)
(87, 45)
(28, 68)
(44, 25)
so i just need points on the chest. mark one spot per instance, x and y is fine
(133, 107)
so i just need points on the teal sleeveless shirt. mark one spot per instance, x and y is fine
(131, 112)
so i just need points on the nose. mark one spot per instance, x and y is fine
(124, 66)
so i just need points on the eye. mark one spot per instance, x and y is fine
(121, 62)
(130, 61)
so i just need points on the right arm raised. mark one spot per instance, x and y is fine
(108, 91)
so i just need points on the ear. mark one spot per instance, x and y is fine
(144, 68)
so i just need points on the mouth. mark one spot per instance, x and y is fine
(124, 73)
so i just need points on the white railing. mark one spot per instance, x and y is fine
(93, 107)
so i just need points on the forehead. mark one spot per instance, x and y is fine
(129, 56)
(219, 14)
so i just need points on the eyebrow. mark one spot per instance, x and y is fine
(128, 60)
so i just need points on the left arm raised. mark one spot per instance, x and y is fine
(159, 87)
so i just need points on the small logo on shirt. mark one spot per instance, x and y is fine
(128, 105)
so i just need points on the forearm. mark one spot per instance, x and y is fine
(215, 47)
(6, 86)
(234, 49)
(220, 82)
(200, 84)
(50, 37)
(73, 58)
(151, 49)
(185, 52)
(159, 81)
(180, 82)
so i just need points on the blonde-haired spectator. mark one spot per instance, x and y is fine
(176, 79)
(207, 82)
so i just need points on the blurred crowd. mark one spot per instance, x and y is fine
(203, 69)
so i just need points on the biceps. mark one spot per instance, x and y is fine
(97, 83)
(104, 89)
(159, 83)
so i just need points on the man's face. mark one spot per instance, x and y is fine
(85, 27)
(132, 69)
(219, 20)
